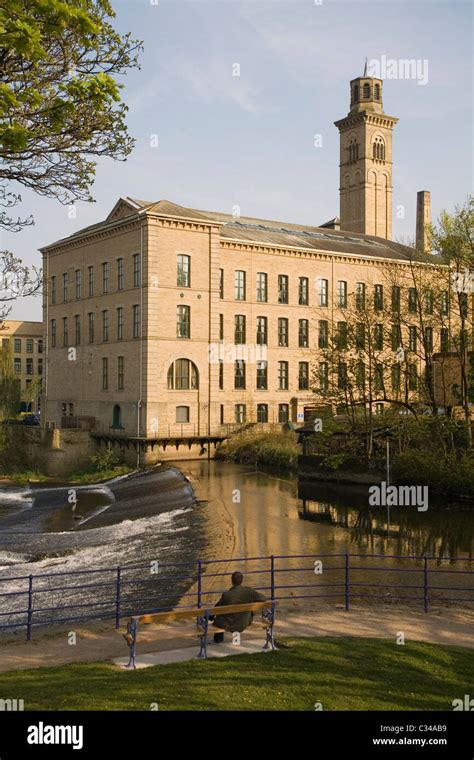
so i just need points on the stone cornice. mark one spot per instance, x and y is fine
(354, 120)
(310, 253)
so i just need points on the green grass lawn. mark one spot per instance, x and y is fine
(340, 673)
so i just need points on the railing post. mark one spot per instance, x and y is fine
(346, 581)
(117, 598)
(272, 576)
(425, 583)
(30, 609)
(199, 583)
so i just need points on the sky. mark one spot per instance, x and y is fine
(235, 102)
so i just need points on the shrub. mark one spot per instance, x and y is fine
(105, 460)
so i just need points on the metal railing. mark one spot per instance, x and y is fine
(47, 599)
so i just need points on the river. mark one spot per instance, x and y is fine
(201, 509)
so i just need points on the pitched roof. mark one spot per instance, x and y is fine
(268, 232)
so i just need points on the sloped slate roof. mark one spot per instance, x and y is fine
(271, 232)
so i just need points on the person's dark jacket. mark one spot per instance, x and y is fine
(237, 595)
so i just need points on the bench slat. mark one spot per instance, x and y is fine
(228, 609)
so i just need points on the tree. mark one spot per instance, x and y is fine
(453, 239)
(10, 389)
(60, 106)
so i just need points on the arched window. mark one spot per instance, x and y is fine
(377, 92)
(356, 93)
(117, 417)
(366, 91)
(378, 149)
(183, 375)
(353, 150)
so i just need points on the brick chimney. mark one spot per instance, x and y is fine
(423, 218)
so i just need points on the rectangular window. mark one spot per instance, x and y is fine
(90, 280)
(137, 270)
(262, 412)
(29, 366)
(283, 288)
(17, 345)
(412, 377)
(120, 323)
(360, 376)
(379, 379)
(65, 332)
(239, 329)
(221, 374)
(341, 336)
(360, 335)
(239, 374)
(342, 294)
(396, 299)
(40, 346)
(77, 330)
(412, 339)
(412, 300)
(303, 333)
(105, 373)
(283, 413)
(40, 366)
(221, 327)
(396, 337)
(360, 296)
(136, 331)
(90, 326)
(29, 345)
(323, 292)
(444, 340)
(65, 284)
(184, 271)
(378, 297)
(105, 325)
(283, 376)
(78, 281)
(323, 333)
(323, 376)
(17, 366)
(53, 333)
(183, 322)
(120, 373)
(120, 274)
(283, 332)
(378, 337)
(221, 283)
(342, 375)
(239, 285)
(303, 291)
(262, 287)
(303, 376)
(105, 277)
(262, 376)
(463, 305)
(429, 339)
(53, 289)
(429, 302)
(182, 414)
(262, 331)
(240, 411)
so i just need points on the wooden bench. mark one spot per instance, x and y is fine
(202, 616)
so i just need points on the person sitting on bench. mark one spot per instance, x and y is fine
(238, 594)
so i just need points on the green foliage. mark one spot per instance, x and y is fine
(105, 460)
(342, 673)
(274, 448)
(447, 475)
